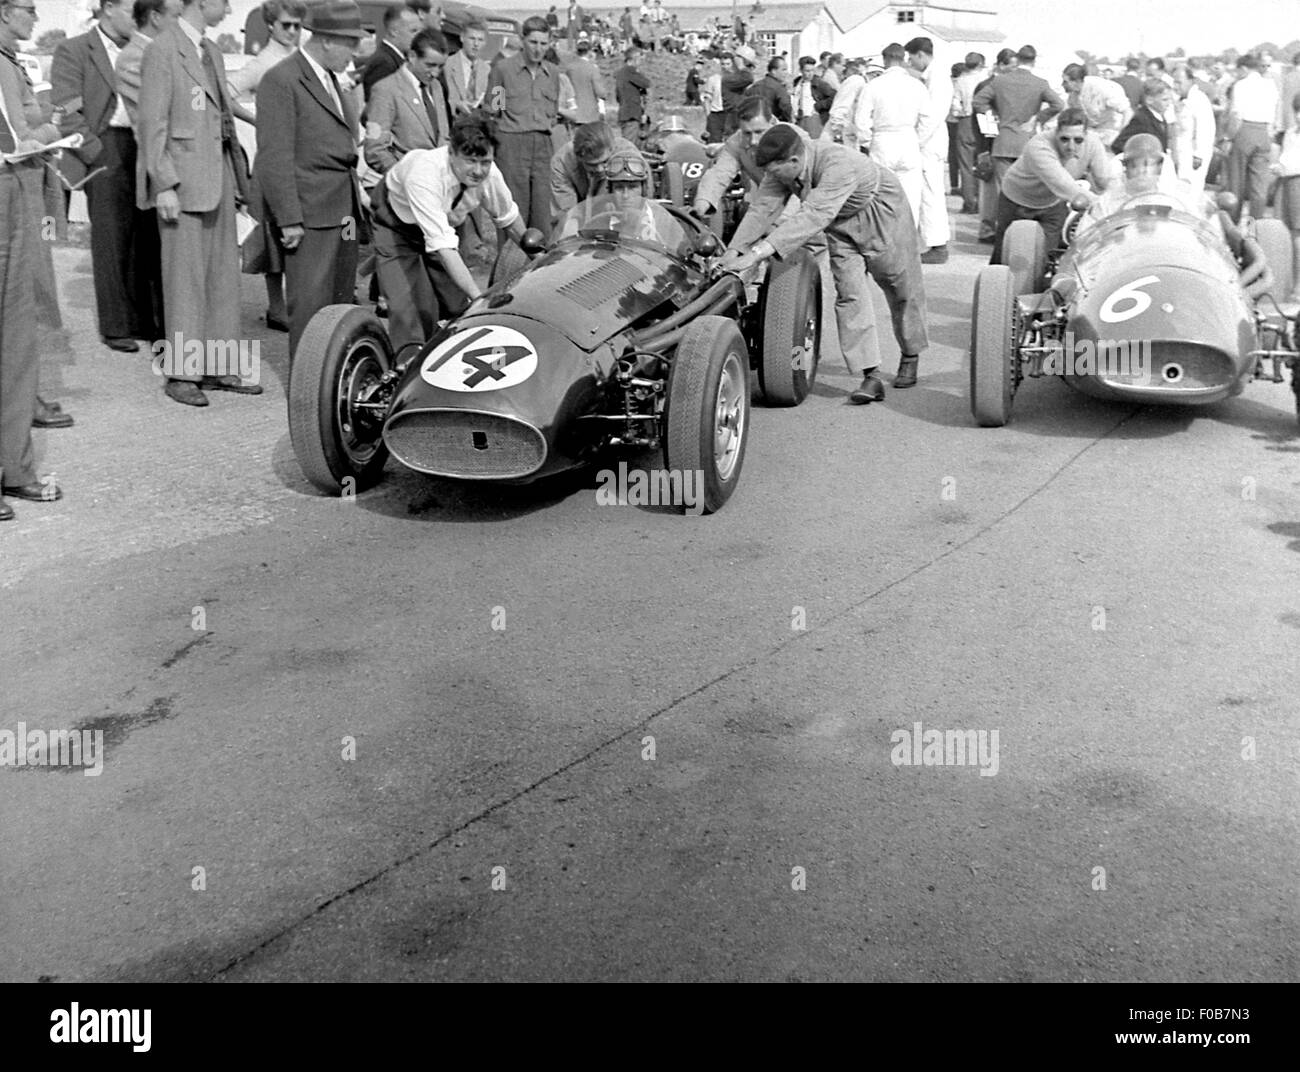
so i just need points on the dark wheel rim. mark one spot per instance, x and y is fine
(729, 416)
(360, 373)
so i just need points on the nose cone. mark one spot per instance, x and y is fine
(1167, 335)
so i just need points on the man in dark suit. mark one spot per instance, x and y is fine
(772, 88)
(407, 109)
(1148, 117)
(191, 169)
(1131, 82)
(401, 24)
(124, 256)
(630, 87)
(306, 164)
(1022, 101)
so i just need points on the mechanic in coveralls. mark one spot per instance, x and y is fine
(870, 229)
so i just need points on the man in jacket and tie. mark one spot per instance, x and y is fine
(192, 170)
(124, 257)
(407, 109)
(467, 72)
(306, 164)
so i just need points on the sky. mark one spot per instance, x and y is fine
(1104, 27)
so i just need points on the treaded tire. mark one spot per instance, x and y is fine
(709, 383)
(792, 325)
(993, 315)
(344, 348)
(1275, 240)
(1024, 251)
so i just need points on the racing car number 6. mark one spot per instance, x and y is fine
(1128, 292)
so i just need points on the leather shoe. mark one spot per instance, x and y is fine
(275, 323)
(49, 415)
(870, 390)
(6, 511)
(126, 346)
(185, 392)
(935, 255)
(906, 376)
(34, 492)
(231, 383)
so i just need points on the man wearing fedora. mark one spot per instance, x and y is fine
(192, 170)
(307, 137)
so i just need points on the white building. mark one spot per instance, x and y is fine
(955, 26)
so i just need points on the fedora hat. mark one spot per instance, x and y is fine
(335, 18)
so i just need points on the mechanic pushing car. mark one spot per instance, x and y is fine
(869, 227)
(417, 207)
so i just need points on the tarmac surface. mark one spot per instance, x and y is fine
(594, 742)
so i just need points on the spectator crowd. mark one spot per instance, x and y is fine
(405, 160)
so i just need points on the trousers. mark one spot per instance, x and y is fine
(18, 360)
(525, 163)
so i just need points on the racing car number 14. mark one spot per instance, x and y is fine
(485, 358)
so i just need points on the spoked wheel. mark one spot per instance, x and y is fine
(511, 260)
(708, 409)
(792, 329)
(1024, 251)
(1275, 240)
(994, 361)
(336, 412)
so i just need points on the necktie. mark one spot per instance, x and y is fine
(214, 85)
(456, 200)
(429, 108)
(338, 95)
(473, 82)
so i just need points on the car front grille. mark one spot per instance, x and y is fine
(465, 444)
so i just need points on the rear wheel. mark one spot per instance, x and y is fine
(994, 363)
(708, 409)
(791, 343)
(335, 419)
(1024, 251)
(1275, 240)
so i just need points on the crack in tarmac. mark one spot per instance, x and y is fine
(717, 679)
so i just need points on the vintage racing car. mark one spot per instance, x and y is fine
(616, 336)
(1153, 303)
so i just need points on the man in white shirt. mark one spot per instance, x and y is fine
(1196, 125)
(417, 208)
(848, 90)
(1103, 101)
(893, 113)
(932, 221)
(1253, 113)
(715, 112)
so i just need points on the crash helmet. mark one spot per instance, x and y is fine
(673, 124)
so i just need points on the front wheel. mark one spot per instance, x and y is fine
(708, 410)
(791, 342)
(336, 416)
(994, 362)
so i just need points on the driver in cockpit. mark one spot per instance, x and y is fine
(1146, 180)
(624, 209)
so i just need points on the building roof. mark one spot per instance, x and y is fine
(774, 17)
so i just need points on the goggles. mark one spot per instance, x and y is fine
(626, 167)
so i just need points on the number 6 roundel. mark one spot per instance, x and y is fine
(1111, 312)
